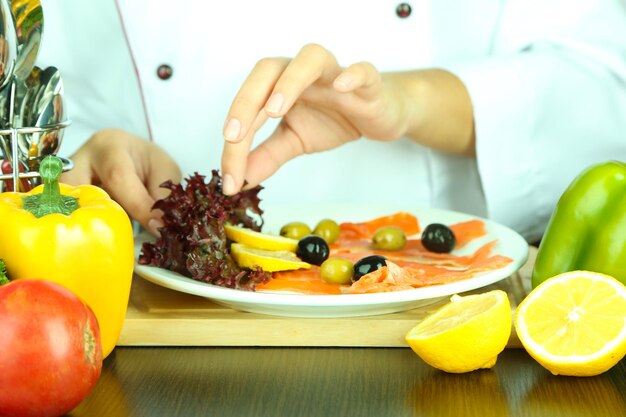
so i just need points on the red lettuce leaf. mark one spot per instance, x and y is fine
(193, 241)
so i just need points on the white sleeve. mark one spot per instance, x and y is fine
(550, 101)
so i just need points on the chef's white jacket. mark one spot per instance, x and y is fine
(547, 79)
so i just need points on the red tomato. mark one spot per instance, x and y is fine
(51, 356)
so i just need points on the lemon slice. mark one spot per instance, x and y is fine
(466, 334)
(269, 261)
(260, 240)
(574, 323)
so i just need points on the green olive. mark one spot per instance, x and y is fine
(295, 230)
(327, 229)
(389, 238)
(337, 271)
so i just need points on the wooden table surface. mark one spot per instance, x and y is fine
(282, 381)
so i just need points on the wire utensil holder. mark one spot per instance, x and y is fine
(25, 162)
(28, 162)
(32, 114)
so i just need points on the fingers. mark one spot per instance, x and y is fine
(274, 85)
(287, 143)
(119, 178)
(160, 169)
(244, 119)
(362, 75)
(282, 146)
(129, 168)
(234, 159)
(271, 89)
(251, 98)
(312, 64)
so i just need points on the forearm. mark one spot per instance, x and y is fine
(437, 109)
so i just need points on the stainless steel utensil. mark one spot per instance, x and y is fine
(5, 121)
(40, 106)
(8, 43)
(21, 25)
(25, 19)
(8, 54)
(28, 21)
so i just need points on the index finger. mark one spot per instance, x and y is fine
(235, 158)
(244, 118)
(251, 98)
(312, 64)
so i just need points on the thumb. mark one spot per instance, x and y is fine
(282, 146)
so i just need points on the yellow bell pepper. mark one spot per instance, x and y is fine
(75, 236)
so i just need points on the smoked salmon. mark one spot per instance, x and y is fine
(411, 267)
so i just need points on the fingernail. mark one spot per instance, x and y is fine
(154, 225)
(275, 103)
(343, 81)
(228, 184)
(231, 130)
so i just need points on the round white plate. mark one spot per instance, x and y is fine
(509, 243)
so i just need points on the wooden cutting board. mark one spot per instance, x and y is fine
(158, 316)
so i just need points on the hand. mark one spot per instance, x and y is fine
(129, 168)
(322, 106)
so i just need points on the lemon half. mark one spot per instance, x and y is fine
(574, 323)
(466, 334)
(260, 240)
(269, 261)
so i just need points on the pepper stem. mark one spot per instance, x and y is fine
(50, 200)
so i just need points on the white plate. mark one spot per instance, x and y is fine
(509, 244)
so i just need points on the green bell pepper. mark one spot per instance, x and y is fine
(587, 230)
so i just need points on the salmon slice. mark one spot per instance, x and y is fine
(366, 230)
(447, 259)
(353, 247)
(394, 277)
(304, 281)
(413, 253)
(465, 232)
(482, 260)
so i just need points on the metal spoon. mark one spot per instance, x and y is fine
(28, 21)
(20, 36)
(24, 22)
(41, 106)
(8, 53)
(8, 43)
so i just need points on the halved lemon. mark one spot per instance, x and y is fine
(466, 334)
(269, 261)
(260, 240)
(574, 323)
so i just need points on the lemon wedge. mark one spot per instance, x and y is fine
(269, 261)
(260, 240)
(574, 323)
(466, 334)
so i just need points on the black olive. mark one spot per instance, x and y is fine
(312, 249)
(438, 238)
(368, 264)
